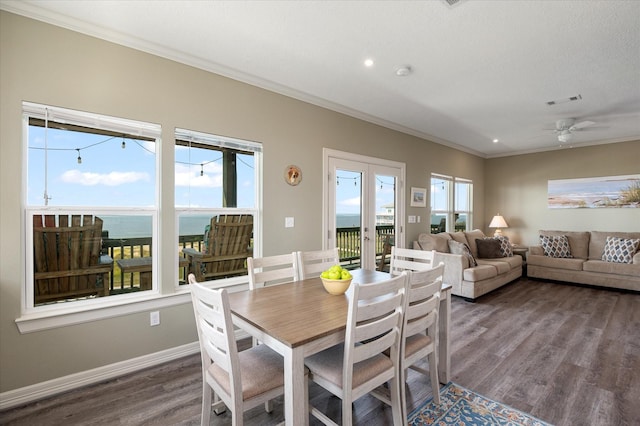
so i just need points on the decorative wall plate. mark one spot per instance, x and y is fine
(292, 175)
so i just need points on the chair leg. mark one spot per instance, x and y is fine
(206, 404)
(396, 403)
(433, 376)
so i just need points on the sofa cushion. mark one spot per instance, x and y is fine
(552, 262)
(555, 246)
(501, 266)
(488, 248)
(599, 239)
(513, 261)
(612, 268)
(459, 237)
(437, 242)
(620, 250)
(578, 242)
(479, 273)
(463, 249)
(471, 240)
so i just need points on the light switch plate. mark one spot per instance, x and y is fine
(154, 318)
(288, 222)
(412, 219)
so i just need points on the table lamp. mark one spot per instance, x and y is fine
(498, 222)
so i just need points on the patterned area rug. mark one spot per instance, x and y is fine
(460, 406)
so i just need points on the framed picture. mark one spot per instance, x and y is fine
(418, 197)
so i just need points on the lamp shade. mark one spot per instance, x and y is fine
(498, 222)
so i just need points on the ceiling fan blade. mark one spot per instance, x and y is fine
(582, 125)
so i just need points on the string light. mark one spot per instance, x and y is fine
(79, 158)
(201, 169)
(124, 144)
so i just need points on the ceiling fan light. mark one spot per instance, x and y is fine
(565, 136)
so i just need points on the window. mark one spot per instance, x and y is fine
(451, 204)
(463, 193)
(216, 177)
(91, 188)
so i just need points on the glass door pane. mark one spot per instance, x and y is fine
(348, 215)
(385, 225)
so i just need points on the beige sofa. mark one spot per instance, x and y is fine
(467, 280)
(586, 266)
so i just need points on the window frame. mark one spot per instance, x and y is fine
(36, 318)
(451, 211)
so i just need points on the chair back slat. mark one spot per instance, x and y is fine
(215, 332)
(313, 263)
(67, 257)
(271, 270)
(403, 259)
(374, 321)
(227, 246)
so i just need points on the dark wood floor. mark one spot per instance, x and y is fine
(569, 355)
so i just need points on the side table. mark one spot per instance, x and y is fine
(522, 252)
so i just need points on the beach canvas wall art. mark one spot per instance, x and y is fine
(596, 192)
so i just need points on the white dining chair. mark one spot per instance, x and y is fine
(404, 259)
(313, 263)
(420, 327)
(239, 380)
(358, 366)
(271, 270)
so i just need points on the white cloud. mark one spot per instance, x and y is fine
(188, 176)
(350, 202)
(108, 179)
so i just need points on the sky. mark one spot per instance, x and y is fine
(110, 175)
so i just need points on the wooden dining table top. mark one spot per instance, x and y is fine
(298, 312)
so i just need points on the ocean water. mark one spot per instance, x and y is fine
(141, 226)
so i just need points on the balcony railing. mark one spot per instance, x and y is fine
(347, 239)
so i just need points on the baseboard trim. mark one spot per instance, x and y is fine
(35, 392)
(27, 394)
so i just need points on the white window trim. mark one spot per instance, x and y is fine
(38, 321)
(451, 210)
(47, 317)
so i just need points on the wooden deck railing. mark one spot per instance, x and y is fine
(347, 239)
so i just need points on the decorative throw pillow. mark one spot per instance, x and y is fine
(555, 246)
(505, 246)
(488, 248)
(620, 250)
(463, 249)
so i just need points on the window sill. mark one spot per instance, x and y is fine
(38, 321)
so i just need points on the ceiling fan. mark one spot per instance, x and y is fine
(566, 126)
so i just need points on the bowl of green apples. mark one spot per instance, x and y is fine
(336, 280)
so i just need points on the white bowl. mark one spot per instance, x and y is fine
(336, 287)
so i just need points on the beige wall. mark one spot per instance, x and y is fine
(516, 187)
(50, 65)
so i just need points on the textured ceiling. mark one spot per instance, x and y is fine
(480, 69)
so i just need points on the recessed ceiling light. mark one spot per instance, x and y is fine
(496, 141)
(368, 62)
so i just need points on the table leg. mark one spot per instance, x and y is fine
(295, 393)
(444, 355)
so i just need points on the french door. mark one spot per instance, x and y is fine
(364, 206)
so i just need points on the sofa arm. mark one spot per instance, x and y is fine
(453, 268)
(537, 250)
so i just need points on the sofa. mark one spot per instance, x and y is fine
(467, 268)
(607, 259)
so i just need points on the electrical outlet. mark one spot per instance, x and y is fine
(288, 222)
(154, 318)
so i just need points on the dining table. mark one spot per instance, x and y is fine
(301, 318)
